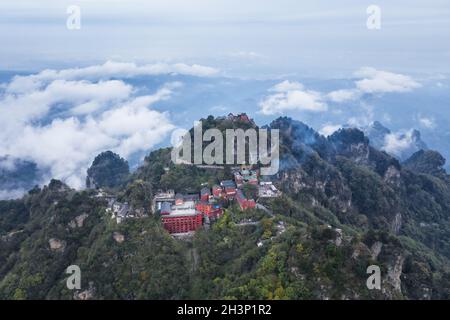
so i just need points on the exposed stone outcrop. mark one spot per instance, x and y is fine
(392, 176)
(119, 237)
(397, 223)
(57, 245)
(376, 249)
(86, 294)
(360, 249)
(393, 277)
(339, 237)
(78, 221)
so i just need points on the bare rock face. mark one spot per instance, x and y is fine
(294, 180)
(395, 272)
(393, 277)
(376, 249)
(351, 143)
(57, 245)
(360, 153)
(397, 223)
(321, 180)
(78, 221)
(86, 294)
(118, 237)
(10, 235)
(392, 176)
(360, 249)
(339, 237)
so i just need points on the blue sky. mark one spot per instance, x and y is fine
(244, 38)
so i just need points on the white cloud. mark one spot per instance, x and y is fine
(62, 124)
(377, 81)
(246, 55)
(286, 86)
(68, 146)
(7, 164)
(373, 81)
(400, 143)
(11, 194)
(329, 129)
(364, 119)
(387, 118)
(343, 95)
(33, 104)
(108, 70)
(86, 108)
(427, 122)
(218, 108)
(291, 96)
(137, 127)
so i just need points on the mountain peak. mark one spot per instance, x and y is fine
(348, 136)
(401, 144)
(108, 170)
(426, 161)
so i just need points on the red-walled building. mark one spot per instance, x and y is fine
(204, 207)
(229, 188)
(205, 193)
(179, 199)
(217, 191)
(238, 179)
(182, 217)
(230, 192)
(209, 209)
(182, 223)
(166, 208)
(244, 203)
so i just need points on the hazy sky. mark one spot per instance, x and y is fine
(241, 37)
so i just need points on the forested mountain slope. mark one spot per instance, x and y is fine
(345, 206)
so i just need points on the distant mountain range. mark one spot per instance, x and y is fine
(17, 176)
(401, 144)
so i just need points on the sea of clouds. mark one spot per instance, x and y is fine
(61, 119)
